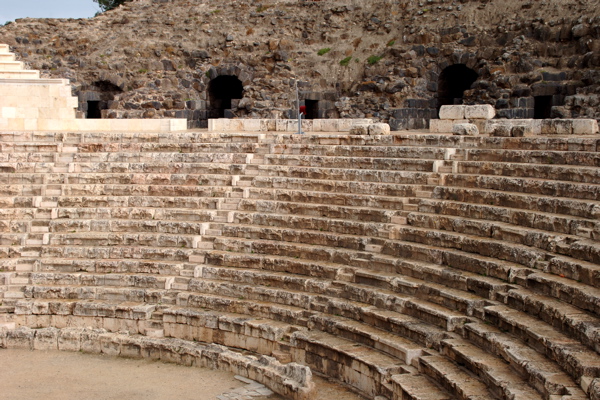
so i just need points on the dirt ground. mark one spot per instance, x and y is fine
(54, 375)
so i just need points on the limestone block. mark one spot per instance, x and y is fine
(332, 125)
(480, 111)
(557, 127)
(521, 131)
(46, 339)
(236, 125)
(440, 125)
(268, 125)
(251, 125)
(465, 129)
(500, 130)
(563, 126)
(452, 112)
(69, 339)
(280, 125)
(307, 125)
(21, 338)
(8, 112)
(359, 129)
(585, 126)
(317, 125)
(479, 123)
(216, 125)
(379, 129)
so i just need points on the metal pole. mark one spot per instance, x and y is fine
(298, 108)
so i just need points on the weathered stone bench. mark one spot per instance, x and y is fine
(290, 380)
(519, 217)
(283, 125)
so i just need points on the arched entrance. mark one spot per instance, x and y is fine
(221, 91)
(96, 97)
(453, 82)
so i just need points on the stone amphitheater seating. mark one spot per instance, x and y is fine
(28, 103)
(406, 266)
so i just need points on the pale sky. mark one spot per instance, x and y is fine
(12, 9)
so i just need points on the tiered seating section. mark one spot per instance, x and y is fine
(421, 266)
(28, 103)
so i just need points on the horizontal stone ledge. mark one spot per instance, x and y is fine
(290, 380)
(93, 125)
(548, 126)
(40, 81)
(284, 125)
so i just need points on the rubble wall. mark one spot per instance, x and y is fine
(386, 60)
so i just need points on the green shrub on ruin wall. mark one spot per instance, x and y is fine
(345, 61)
(373, 59)
(324, 51)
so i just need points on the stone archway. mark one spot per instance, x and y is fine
(221, 91)
(452, 83)
(95, 98)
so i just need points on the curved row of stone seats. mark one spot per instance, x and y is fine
(276, 295)
(291, 380)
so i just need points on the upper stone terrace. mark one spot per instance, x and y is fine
(406, 266)
(28, 103)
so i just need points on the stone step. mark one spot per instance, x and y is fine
(337, 162)
(587, 156)
(341, 187)
(323, 224)
(12, 294)
(530, 219)
(545, 376)
(524, 201)
(350, 173)
(459, 383)
(228, 283)
(6, 56)
(409, 386)
(376, 366)
(127, 253)
(151, 239)
(536, 186)
(119, 226)
(574, 358)
(496, 374)
(573, 250)
(10, 65)
(567, 318)
(404, 152)
(22, 74)
(359, 208)
(92, 279)
(572, 173)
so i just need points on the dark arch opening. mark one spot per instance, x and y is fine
(98, 97)
(312, 109)
(542, 107)
(453, 82)
(221, 91)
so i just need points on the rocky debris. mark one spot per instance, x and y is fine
(465, 130)
(379, 129)
(360, 129)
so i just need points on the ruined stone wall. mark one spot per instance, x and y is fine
(395, 61)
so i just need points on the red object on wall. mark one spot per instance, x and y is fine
(303, 109)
